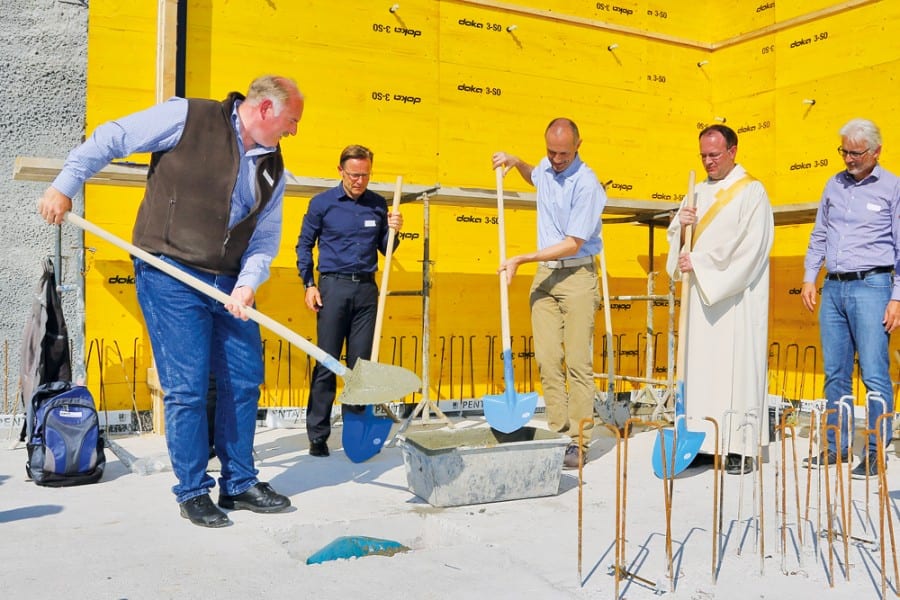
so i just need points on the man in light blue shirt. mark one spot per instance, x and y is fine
(857, 237)
(564, 295)
(212, 208)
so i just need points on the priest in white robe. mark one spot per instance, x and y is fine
(728, 312)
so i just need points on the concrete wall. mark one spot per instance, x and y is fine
(43, 55)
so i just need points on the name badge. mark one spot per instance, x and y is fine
(369, 223)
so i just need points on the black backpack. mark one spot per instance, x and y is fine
(64, 443)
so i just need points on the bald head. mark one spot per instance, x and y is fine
(563, 141)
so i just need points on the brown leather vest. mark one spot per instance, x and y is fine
(185, 210)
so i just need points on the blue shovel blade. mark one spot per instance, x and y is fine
(680, 453)
(364, 434)
(509, 411)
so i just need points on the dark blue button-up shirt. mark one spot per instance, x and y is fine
(349, 233)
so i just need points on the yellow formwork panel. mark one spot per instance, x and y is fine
(674, 70)
(117, 350)
(659, 16)
(436, 87)
(728, 20)
(795, 363)
(743, 70)
(807, 136)
(791, 9)
(751, 119)
(837, 45)
(473, 128)
(520, 43)
(116, 347)
(121, 59)
(619, 12)
(368, 75)
(677, 18)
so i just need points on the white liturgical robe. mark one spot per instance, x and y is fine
(728, 312)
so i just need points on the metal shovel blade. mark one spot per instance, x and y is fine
(509, 411)
(681, 446)
(364, 434)
(376, 383)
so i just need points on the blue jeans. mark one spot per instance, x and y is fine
(850, 324)
(193, 335)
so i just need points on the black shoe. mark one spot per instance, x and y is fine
(201, 511)
(570, 460)
(733, 465)
(829, 458)
(703, 460)
(864, 470)
(318, 448)
(260, 498)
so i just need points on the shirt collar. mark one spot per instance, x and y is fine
(341, 194)
(573, 166)
(875, 175)
(236, 123)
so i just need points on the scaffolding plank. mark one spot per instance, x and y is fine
(134, 175)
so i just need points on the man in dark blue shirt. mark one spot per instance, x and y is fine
(350, 225)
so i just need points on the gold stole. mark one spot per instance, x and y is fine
(723, 197)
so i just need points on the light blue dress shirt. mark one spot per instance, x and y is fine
(569, 204)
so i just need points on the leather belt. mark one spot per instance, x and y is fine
(363, 277)
(568, 263)
(857, 275)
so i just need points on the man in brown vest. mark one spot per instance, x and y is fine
(212, 208)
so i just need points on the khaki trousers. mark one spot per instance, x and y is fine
(563, 304)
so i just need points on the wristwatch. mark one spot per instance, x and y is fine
(310, 284)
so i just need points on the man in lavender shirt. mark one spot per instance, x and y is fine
(857, 236)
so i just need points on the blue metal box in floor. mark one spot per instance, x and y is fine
(455, 467)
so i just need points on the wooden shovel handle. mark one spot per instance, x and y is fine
(685, 287)
(504, 284)
(328, 361)
(386, 273)
(382, 292)
(610, 363)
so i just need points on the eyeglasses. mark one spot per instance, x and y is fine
(356, 176)
(853, 153)
(715, 156)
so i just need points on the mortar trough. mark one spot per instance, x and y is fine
(455, 467)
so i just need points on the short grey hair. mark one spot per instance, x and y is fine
(862, 130)
(272, 87)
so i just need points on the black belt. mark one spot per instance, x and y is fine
(857, 275)
(363, 277)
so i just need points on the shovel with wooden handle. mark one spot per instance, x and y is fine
(366, 383)
(681, 446)
(364, 433)
(509, 411)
